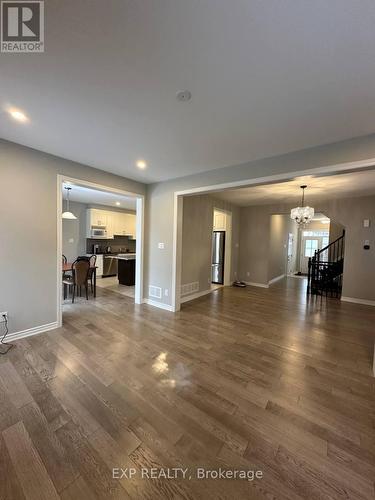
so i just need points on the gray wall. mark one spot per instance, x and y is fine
(74, 230)
(359, 264)
(28, 245)
(280, 227)
(263, 242)
(254, 244)
(197, 239)
(160, 196)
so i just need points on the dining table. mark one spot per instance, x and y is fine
(67, 266)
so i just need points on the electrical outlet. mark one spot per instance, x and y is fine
(247, 274)
(2, 314)
(166, 292)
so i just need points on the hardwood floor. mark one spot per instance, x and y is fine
(242, 379)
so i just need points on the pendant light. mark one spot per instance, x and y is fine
(67, 214)
(302, 215)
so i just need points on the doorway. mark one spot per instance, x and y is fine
(102, 235)
(221, 254)
(290, 264)
(312, 241)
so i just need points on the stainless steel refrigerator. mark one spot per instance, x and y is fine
(217, 263)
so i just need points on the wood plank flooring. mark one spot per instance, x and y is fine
(242, 379)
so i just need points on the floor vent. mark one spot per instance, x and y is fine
(189, 288)
(154, 291)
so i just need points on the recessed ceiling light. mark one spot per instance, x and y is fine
(141, 164)
(18, 115)
(118, 203)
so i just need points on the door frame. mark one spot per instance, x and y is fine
(140, 201)
(228, 244)
(288, 273)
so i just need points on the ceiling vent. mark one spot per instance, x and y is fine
(183, 95)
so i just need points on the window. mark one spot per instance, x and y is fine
(310, 247)
(316, 233)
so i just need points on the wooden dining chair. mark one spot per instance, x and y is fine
(79, 278)
(91, 271)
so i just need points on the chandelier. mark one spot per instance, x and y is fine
(302, 215)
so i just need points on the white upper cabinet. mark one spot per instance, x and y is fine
(97, 217)
(125, 225)
(115, 223)
(219, 221)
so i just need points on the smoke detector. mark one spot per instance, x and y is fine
(183, 95)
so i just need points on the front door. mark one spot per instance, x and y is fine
(290, 261)
(309, 246)
(312, 241)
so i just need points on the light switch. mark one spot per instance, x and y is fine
(71, 240)
(366, 222)
(161, 246)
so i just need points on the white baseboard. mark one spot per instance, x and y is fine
(358, 301)
(276, 279)
(197, 295)
(252, 283)
(160, 305)
(31, 331)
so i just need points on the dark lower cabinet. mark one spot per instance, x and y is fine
(126, 272)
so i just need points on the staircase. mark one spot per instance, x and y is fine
(326, 268)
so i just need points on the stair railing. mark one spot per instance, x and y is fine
(325, 276)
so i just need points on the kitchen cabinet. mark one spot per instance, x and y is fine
(115, 223)
(219, 221)
(97, 217)
(125, 224)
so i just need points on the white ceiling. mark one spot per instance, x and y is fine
(318, 188)
(267, 77)
(90, 196)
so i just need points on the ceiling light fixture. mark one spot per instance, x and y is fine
(118, 203)
(141, 164)
(302, 215)
(67, 214)
(18, 115)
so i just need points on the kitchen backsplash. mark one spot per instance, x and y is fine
(120, 244)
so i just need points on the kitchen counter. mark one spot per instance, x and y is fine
(124, 256)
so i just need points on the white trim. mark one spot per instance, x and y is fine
(138, 299)
(177, 217)
(177, 252)
(197, 295)
(253, 283)
(59, 296)
(140, 219)
(160, 305)
(276, 279)
(31, 331)
(358, 301)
